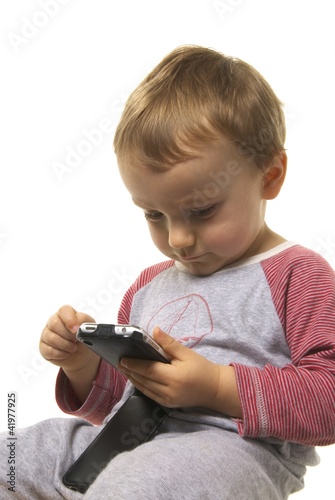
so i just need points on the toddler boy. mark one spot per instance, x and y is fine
(247, 317)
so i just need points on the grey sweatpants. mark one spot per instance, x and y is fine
(184, 461)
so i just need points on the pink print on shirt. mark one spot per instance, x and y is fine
(188, 319)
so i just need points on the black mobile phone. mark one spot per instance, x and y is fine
(113, 342)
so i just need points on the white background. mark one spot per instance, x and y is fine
(74, 237)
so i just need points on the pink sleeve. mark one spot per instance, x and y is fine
(297, 402)
(106, 391)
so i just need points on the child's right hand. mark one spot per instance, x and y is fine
(58, 343)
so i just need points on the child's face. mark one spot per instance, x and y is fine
(206, 212)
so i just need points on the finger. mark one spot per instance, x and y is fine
(66, 322)
(56, 324)
(51, 354)
(170, 345)
(144, 371)
(155, 390)
(84, 318)
(139, 366)
(55, 347)
(60, 342)
(68, 316)
(143, 383)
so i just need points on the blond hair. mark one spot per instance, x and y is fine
(193, 97)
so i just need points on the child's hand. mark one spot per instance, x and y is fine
(58, 343)
(190, 379)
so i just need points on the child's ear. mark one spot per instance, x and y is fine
(274, 177)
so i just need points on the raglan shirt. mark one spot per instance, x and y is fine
(271, 317)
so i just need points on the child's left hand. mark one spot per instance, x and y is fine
(190, 379)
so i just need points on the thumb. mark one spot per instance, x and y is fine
(84, 318)
(170, 345)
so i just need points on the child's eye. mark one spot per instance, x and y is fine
(203, 212)
(152, 216)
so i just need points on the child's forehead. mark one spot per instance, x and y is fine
(201, 157)
(213, 168)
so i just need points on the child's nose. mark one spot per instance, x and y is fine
(181, 236)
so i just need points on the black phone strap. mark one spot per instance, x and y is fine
(133, 424)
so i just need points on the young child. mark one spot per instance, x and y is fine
(247, 317)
